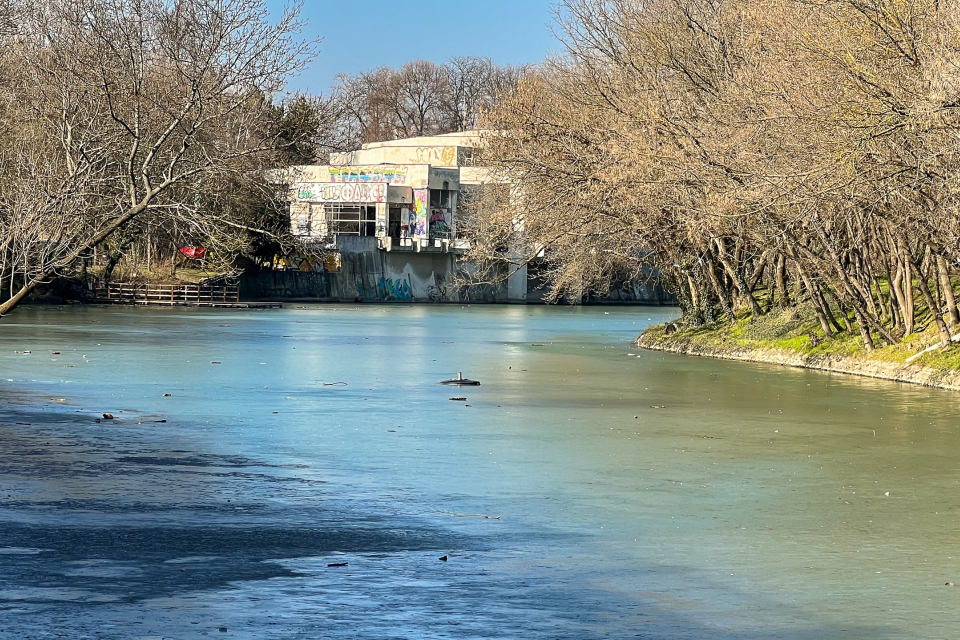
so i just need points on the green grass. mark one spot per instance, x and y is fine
(791, 329)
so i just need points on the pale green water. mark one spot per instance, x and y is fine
(751, 505)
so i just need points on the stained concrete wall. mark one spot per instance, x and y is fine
(367, 274)
(438, 156)
(288, 285)
(371, 275)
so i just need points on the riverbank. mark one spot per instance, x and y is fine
(791, 338)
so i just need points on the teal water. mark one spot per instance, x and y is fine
(585, 490)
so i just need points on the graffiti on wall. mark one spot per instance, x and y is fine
(443, 156)
(421, 198)
(390, 289)
(437, 292)
(329, 263)
(337, 192)
(393, 175)
(439, 223)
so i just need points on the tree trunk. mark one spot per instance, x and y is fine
(817, 303)
(934, 311)
(842, 309)
(781, 273)
(906, 306)
(722, 295)
(115, 259)
(738, 281)
(695, 299)
(758, 272)
(864, 330)
(948, 293)
(904, 281)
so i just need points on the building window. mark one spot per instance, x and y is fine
(351, 219)
(440, 198)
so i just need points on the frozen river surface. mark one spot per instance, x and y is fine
(585, 490)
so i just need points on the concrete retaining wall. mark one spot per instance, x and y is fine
(371, 275)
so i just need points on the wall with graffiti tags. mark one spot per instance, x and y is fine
(411, 175)
(366, 274)
(372, 193)
(420, 211)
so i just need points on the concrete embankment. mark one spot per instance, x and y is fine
(656, 339)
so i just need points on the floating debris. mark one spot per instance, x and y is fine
(108, 416)
(338, 564)
(470, 515)
(458, 399)
(333, 384)
(461, 381)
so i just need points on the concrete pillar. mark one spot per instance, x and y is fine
(517, 285)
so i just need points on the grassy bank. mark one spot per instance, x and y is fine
(158, 275)
(793, 337)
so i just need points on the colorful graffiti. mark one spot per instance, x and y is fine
(338, 192)
(390, 289)
(439, 228)
(329, 263)
(418, 228)
(393, 175)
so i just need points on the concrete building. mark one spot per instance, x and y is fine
(390, 211)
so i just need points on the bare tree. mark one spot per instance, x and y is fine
(757, 154)
(419, 99)
(125, 108)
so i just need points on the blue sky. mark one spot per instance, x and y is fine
(365, 34)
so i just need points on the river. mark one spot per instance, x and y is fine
(585, 490)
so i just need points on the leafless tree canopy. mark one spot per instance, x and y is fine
(798, 147)
(115, 112)
(421, 98)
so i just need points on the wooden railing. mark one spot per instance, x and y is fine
(168, 294)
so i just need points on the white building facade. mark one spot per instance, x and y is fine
(403, 192)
